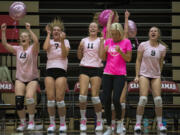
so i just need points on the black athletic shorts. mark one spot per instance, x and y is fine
(91, 71)
(56, 72)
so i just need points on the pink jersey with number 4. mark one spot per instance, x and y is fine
(115, 64)
(26, 63)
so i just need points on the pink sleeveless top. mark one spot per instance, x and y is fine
(91, 53)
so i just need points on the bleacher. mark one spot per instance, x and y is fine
(76, 16)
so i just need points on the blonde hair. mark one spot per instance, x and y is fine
(96, 17)
(159, 38)
(57, 22)
(29, 35)
(118, 27)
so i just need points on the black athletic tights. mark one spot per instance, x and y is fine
(115, 83)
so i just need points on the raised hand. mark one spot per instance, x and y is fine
(48, 29)
(62, 36)
(127, 14)
(28, 26)
(111, 14)
(3, 27)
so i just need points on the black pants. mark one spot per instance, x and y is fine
(115, 83)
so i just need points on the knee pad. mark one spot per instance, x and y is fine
(158, 101)
(60, 104)
(123, 105)
(95, 100)
(82, 98)
(51, 103)
(112, 107)
(30, 101)
(19, 102)
(142, 101)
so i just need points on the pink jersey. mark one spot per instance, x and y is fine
(115, 64)
(91, 53)
(54, 55)
(26, 64)
(150, 66)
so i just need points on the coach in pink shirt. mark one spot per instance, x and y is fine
(149, 65)
(116, 51)
(26, 74)
(106, 32)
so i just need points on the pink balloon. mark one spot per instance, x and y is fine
(132, 29)
(103, 17)
(17, 10)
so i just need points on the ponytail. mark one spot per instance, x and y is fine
(163, 43)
